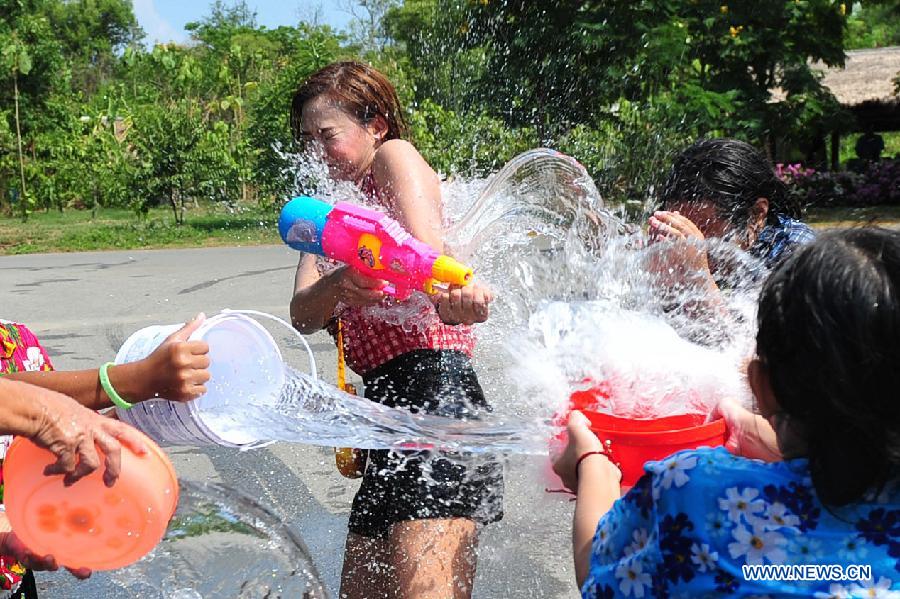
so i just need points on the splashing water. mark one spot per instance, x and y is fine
(577, 302)
(220, 543)
(640, 362)
(316, 413)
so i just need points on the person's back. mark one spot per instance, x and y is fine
(719, 522)
(828, 346)
(869, 146)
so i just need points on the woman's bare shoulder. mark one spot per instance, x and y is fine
(396, 154)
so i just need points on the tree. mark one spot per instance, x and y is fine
(224, 21)
(367, 28)
(92, 33)
(555, 64)
(303, 50)
(18, 62)
(873, 24)
(434, 51)
(30, 61)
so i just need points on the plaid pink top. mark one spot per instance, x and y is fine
(377, 334)
(373, 336)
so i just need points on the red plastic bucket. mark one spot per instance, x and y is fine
(90, 525)
(631, 442)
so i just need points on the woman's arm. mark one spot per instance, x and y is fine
(412, 191)
(316, 296)
(72, 432)
(176, 370)
(678, 259)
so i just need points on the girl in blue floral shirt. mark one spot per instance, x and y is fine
(813, 480)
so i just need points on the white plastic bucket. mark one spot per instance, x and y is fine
(245, 364)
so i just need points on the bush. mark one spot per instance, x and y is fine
(467, 144)
(628, 152)
(877, 185)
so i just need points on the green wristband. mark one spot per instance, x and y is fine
(107, 386)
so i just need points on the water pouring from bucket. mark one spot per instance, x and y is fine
(246, 366)
(253, 398)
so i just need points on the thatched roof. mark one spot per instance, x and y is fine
(867, 75)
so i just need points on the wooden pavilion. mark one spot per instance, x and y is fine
(866, 86)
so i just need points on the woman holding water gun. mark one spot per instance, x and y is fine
(414, 521)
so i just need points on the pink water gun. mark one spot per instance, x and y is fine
(370, 242)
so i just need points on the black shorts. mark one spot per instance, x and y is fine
(414, 485)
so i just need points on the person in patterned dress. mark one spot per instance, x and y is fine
(814, 480)
(177, 370)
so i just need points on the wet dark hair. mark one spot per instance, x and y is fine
(829, 336)
(732, 175)
(359, 90)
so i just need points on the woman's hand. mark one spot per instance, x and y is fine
(12, 546)
(73, 433)
(580, 442)
(749, 435)
(177, 369)
(356, 289)
(685, 259)
(464, 305)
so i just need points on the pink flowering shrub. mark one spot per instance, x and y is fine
(877, 185)
(792, 172)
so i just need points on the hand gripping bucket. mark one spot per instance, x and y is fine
(631, 443)
(245, 364)
(90, 525)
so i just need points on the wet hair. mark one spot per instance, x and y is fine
(829, 336)
(362, 92)
(731, 174)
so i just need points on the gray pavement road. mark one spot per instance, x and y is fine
(83, 305)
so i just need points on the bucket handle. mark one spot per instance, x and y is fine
(312, 359)
(309, 352)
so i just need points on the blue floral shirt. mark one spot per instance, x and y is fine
(695, 520)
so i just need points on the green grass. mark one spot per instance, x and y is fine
(75, 230)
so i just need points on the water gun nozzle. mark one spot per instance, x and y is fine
(447, 270)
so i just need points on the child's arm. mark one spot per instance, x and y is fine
(598, 489)
(584, 468)
(176, 370)
(315, 296)
(412, 190)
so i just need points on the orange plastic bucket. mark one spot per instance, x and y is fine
(632, 442)
(90, 525)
